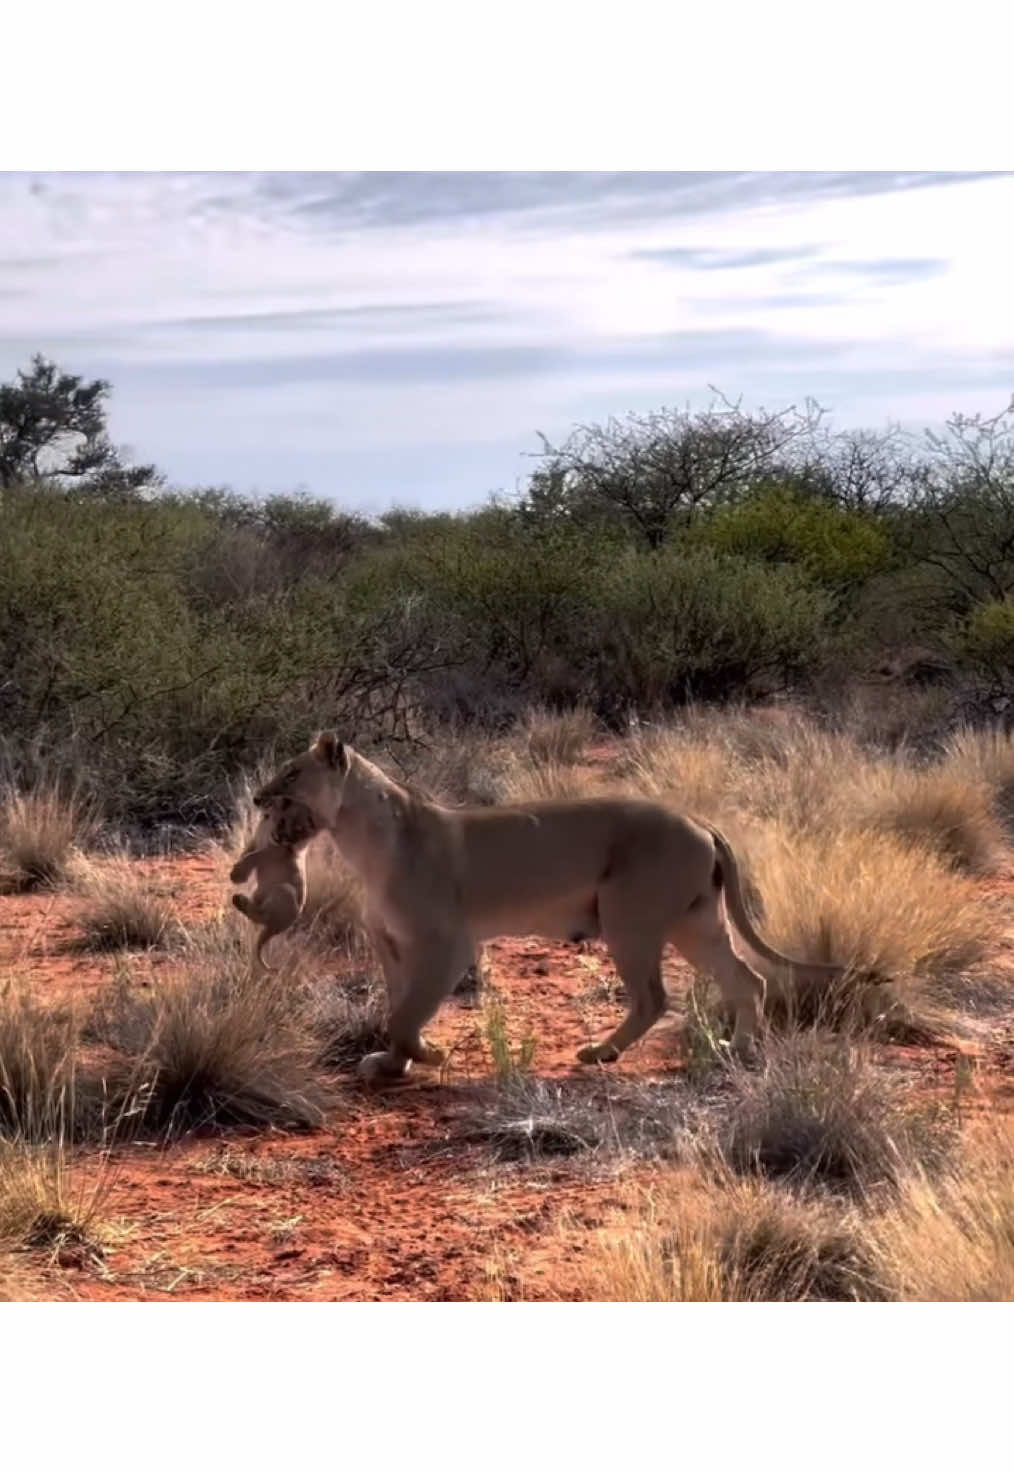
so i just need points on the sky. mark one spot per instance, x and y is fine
(402, 338)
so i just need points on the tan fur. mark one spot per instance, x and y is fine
(276, 855)
(439, 881)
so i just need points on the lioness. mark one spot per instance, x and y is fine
(276, 856)
(440, 880)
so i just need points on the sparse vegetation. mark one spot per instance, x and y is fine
(348, 1018)
(213, 1046)
(121, 909)
(985, 755)
(936, 809)
(821, 1112)
(41, 1206)
(715, 1242)
(558, 737)
(41, 1096)
(332, 912)
(40, 829)
(951, 1236)
(525, 1119)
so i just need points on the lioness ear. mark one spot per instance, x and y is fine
(330, 750)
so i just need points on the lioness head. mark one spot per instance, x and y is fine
(314, 779)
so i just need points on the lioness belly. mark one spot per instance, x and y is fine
(570, 921)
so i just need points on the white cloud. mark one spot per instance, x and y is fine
(423, 327)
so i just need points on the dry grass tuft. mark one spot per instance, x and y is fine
(457, 765)
(869, 901)
(985, 756)
(525, 1119)
(120, 910)
(39, 832)
(40, 1204)
(213, 1046)
(40, 1094)
(821, 1113)
(348, 1017)
(557, 737)
(525, 780)
(694, 776)
(946, 1235)
(951, 1237)
(937, 809)
(720, 1241)
(332, 915)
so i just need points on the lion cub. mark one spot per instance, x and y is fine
(277, 855)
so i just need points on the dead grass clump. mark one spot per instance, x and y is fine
(812, 790)
(120, 910)
(39, 831)
(693, 775)
(937, 809)
(869, 901)
(40, 1205)
(557, 737)
(457, 765)
(986, 756)
(332, 914)
(735, 766)
(890, 717)
(950, 1237)
(820, 1112)
(525, 780)
(525, 1118)
(39, 1090)
(214, 1046)
(750, 733)
(722, 1240)
(348, 1018)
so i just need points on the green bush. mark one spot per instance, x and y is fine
(666, 626)
(987, 637)
(837, 547)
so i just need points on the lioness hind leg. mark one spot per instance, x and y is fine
(638, 961)
(705, 940)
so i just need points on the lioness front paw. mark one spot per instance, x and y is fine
(382, 1066)
(598, 1053)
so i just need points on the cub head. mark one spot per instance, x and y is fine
(315, 780)
(294, 824)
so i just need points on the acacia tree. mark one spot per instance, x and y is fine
(53, 428)
(654, 472)
(964, 523)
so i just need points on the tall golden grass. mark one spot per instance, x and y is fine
(39, 832)
(696, 1235)
(120, 909)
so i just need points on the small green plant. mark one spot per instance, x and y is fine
(507, 1063)
(705, 1032)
